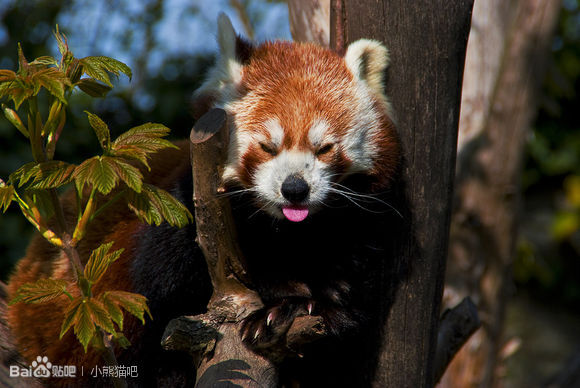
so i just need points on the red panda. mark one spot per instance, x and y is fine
(311, 135)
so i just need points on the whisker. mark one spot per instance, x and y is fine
(260, 209)
(354, 202)
(359, 197)
(235, 192)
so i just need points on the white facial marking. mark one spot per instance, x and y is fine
(275, 130)
(270, 175)
(319, 133)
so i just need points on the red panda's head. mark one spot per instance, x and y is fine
(302, 118)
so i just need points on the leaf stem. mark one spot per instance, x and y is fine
(35, 133)
(81, 227)
(107, 204)
(29, 213)
(69, 295)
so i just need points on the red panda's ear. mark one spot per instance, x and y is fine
(225, 77)
(367, 59)
(233, 48)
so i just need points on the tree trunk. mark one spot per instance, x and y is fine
(507, 51)
(427, 42)
(310, 21)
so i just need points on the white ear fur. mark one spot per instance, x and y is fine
(367, 60)
(226, 37)
(227, 70)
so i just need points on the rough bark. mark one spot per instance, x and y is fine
(506, 54)
(427, 41)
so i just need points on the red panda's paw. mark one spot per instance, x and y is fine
(269, 325)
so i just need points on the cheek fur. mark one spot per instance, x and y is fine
(249, 162)
(337, 162)
(388, 155)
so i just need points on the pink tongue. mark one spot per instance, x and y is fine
(295, 213)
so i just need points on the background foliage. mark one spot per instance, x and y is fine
(548, 265)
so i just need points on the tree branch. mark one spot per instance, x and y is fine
(213, 338)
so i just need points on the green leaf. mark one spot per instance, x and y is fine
(113, 310)
(52, 174)
(6, 195)
(20, 94)
(22, 62)
(128, 173)
(144, 130)
(99, 315)
(8, 82)
(132, 153)
(99, 66)
(53, 80)
(97, 171)
(121, 340)
(74, 71)
(135, 304)
(7, 75)
(70, 316)
(99, 262)
(61, 41)
(101, 130)
(141, 141)
(23, 174)
(13, 117)
(84, 327)
(45, 61)
(153, 205)
(143, 207)
(93, 88)
(40, 291)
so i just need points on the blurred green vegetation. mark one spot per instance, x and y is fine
(548, 262)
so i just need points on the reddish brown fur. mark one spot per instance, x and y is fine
(388, 145)
(300, 83)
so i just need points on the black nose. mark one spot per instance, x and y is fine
(295, 189)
